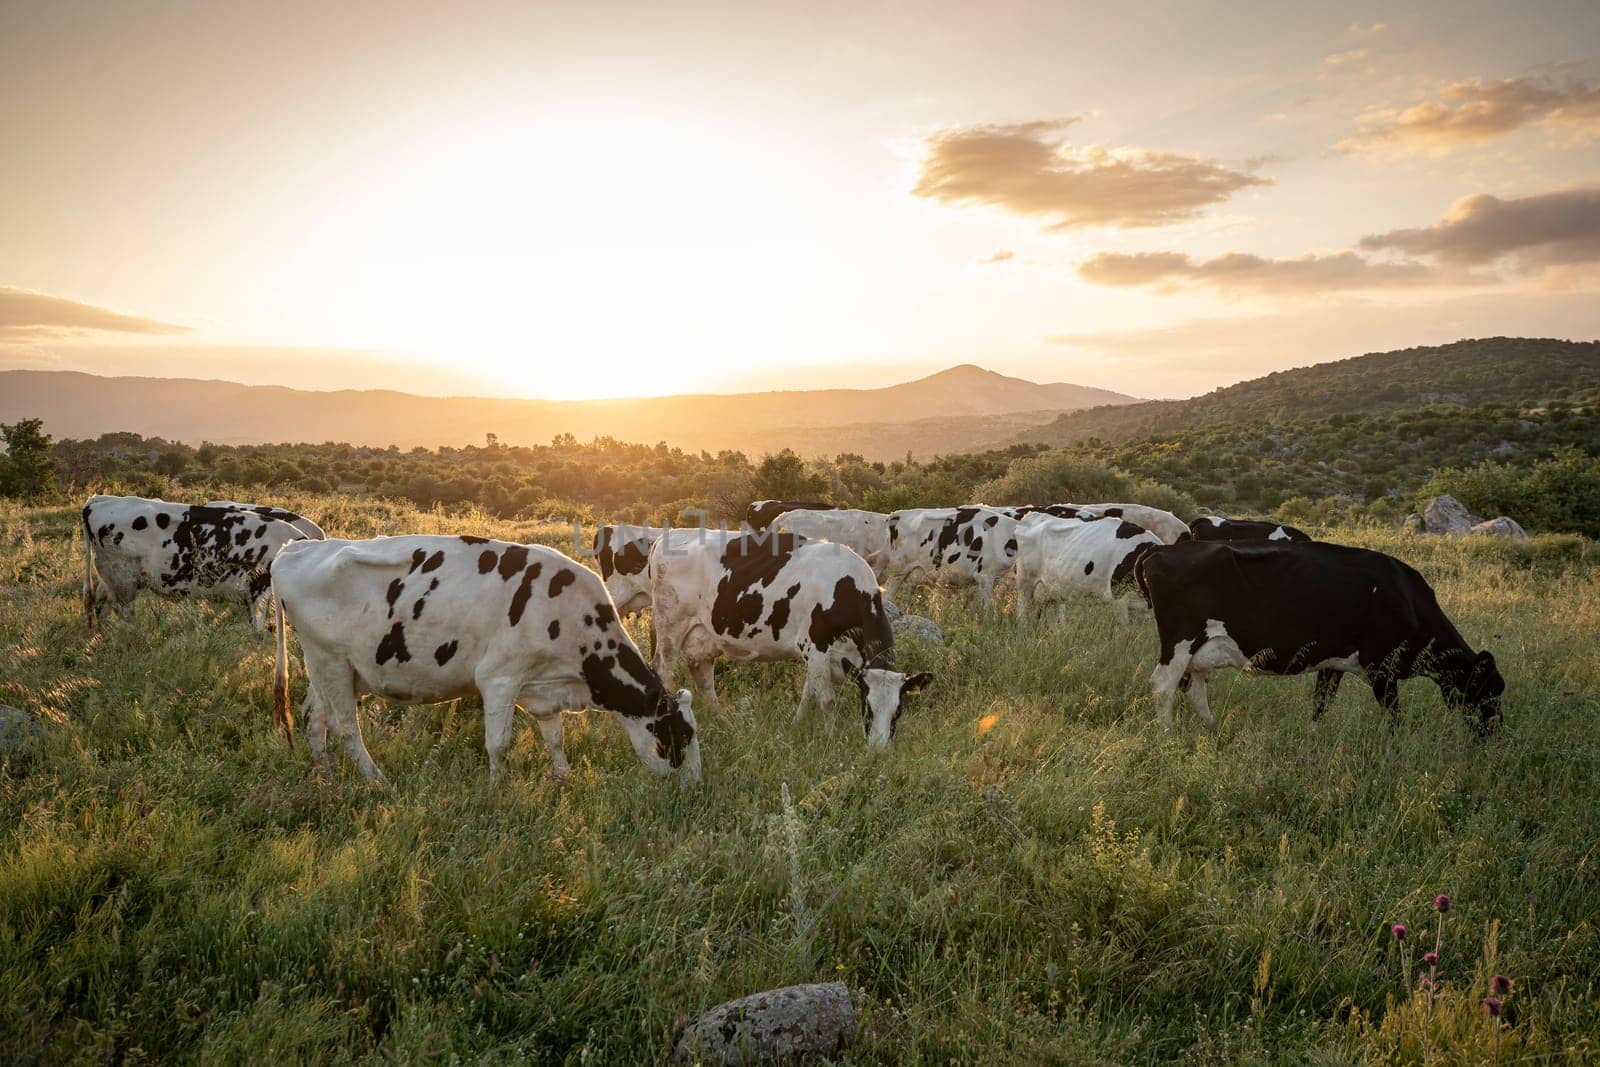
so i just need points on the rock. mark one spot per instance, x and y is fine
(795, 1021)
(1504, 448)
(891, 609)
(1413, 524)
(20, 732)
(1447, 515)
(919, 626)
(1501, 527)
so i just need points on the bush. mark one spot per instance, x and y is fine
(1557, 495)
(1054, 478)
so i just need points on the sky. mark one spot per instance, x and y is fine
(597, 199)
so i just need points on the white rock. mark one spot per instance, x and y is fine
(1501, 527)
(795, 1021)
(919, 626)
(1447, 515)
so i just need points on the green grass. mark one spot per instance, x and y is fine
(1032, 873)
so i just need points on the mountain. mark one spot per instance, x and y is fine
(959, 409)
(1508, 370)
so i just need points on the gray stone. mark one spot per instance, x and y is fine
(1502, 527)
(1447, 515)
(892, 610)
(20, 732)
(917, 626)
(787, 1023)
(1413, 524)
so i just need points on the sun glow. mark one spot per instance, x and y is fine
(593, 255)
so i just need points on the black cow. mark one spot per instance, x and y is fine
(760, 513)
(1283, 608)
(1215, 528)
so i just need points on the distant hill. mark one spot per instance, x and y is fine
(1504, 370)
(960, 409)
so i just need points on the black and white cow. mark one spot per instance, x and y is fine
(1281, 608)
(1216, 528)
(955, 545)
(1059, 559)
(1164, 524)
(775, 597)
(760, 513)
(866, 533)
(420, 619)
(306, 527)
(176, 550)
(623, 555)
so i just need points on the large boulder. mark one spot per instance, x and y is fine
(1503, 526)
(781, 1024)
(1447, 515)
(917, 626)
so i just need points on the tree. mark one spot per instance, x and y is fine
(29, 469)
(783, 477)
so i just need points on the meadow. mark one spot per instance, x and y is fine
(1032, 873)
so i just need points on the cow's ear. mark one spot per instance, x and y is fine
(921, 680)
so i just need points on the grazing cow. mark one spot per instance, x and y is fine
(1282, 608)
(623, 553)
(1215, 528)
(760, 513)
(306, 527)
(1164, 524)
(967, 544)
(176, 550)
(420, 619)
(775, 597)
(1058, 559)
(864, 532)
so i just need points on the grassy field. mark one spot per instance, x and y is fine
(1033, 873)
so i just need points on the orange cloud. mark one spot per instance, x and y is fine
(1539, 231)
(1478, 110)
(1239, 273)
(1027, 170)
(26, 315)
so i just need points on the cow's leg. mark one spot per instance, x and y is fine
(1024, 599)
(985, 592)
(499, 706)
(1195, 692)
(704, 673)
(1166, 678)
(1122, 619)
(550, 730)
(1322, 695)
(336, 704)
(1387, 689)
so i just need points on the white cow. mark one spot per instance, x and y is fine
(775, 597)
(176, 550)
(958, 545)
(421, 619)
(1164, 524)
(866, 533)
(308, 528)
(1058, 559)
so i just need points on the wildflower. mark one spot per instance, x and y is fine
(1492, 1006)
(1399, 931)
(1431, 959)
(1441, 903)
(1500, 985)
(1427, 985)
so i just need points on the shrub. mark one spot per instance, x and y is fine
(1558, 495)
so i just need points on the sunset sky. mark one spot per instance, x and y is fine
(612, 199)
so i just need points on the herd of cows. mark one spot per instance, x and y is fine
(427, 618)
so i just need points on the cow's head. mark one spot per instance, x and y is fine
(1473, 683)
(883, 698)
(670, 741)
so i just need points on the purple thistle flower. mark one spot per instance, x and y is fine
(1441, 903)
(1430, 958)
(1399, 931)
(1500, 985)
(1427, 985)
(1492, 1006)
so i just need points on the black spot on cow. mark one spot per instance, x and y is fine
(486, 561)
(140, 523)
(1127, 529)
(393, 646)
(434, 562)
(855, 614)
(1126, 567)
(396, 587)
(443, 653)
(416, 609)
(418, 558)
(519, 599)
(512, 561)
(779, 618)
(1115, 513)
(990, 521)
(977, 544)
(555, 629)
(1011, 547)
(261, 531)
(1088, 568)
(105, 531)
(473, 539)
(604, 616)
(117, 540)
(750, 564)
(611, 642)
(560, 580)
(163, 520)
(242, 536)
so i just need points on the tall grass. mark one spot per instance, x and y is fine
(1033, 872)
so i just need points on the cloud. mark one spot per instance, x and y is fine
(26, 315)
(1238, 273)
(1376, 27)
(1027, 170)
(1354, 61)
(1536, 232)
(1478, 110)
(999, 257)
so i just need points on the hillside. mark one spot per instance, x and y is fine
(1509, 370)
(954, 410)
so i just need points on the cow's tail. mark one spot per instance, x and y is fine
(88, 569)
(282, 716)
(1142, 579)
